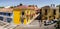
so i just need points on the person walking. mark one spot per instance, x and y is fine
(39, 18)
(22, 17)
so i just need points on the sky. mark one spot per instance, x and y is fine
(39, 3)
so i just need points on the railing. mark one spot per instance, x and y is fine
(33, 19)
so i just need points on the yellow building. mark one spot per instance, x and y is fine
(23, 14)
(16, 16)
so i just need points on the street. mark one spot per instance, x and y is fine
(35, 25)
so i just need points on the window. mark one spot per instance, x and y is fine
(45, 11)
(4, 13)
(9, 20)
(54, 12)
(1, 18)
(8, 14)
(0, 13)
(49, 16)
(22, 13)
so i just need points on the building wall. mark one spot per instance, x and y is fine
(57, 13)
(6, 14)
(50, 15)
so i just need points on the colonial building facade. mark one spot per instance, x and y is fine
(50, 12)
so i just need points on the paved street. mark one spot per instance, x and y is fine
(35, 25)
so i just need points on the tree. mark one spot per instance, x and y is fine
(11, 7)
(1, 7)
(21, 4)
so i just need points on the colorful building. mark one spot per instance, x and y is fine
(50, 12)
(6, 14)
(23, 14)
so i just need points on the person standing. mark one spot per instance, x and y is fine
(22, 17)
(39, 18)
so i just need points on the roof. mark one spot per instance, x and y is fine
(9, 10)
(26, 7)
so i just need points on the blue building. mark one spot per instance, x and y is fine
(6, 14)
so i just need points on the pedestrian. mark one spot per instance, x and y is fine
(39, 18)
(22, 17)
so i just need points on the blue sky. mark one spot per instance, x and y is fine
(39, 3)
